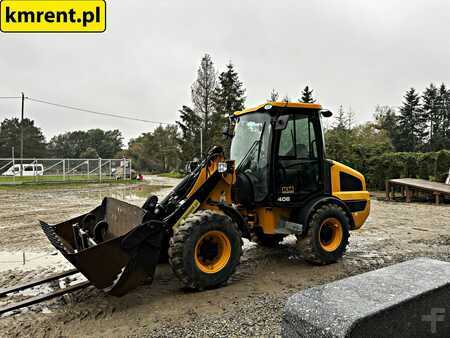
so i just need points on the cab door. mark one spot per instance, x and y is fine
(297, 162)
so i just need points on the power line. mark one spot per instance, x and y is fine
(9, 97)
(94, 112)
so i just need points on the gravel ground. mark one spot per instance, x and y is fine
(250, 305)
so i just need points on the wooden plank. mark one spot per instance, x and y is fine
(422, 185)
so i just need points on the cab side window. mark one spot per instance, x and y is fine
(287, 140)
(298, 140)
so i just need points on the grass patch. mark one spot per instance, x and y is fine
(172, 174)
(52, 178)
(58, 183)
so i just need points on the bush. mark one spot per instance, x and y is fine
(429, 166)
(442, 165)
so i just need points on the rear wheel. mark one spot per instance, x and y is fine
(327, 236)
(205, 250)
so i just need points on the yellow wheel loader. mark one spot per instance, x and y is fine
(278, 182)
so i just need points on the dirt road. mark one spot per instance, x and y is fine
(250, 305)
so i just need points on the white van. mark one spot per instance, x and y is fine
(28, 170)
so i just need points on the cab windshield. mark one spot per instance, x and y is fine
(250, 150)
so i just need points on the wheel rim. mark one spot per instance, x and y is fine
(212, 251)
(330, 234)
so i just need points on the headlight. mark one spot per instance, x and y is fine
(222, 167)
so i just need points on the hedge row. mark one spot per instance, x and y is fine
(429, 166)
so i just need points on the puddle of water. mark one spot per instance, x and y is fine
(10, 260)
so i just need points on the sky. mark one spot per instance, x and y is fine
(353, 53)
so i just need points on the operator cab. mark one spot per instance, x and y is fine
(279, 152)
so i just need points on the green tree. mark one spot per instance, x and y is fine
(189, 140)
(106, 143)
(89, 153)
(202, 92)
(33, 140)
(155, 151)
(431, 112)
(135, 152)
(411, 123)
(386, 121)
(164, 148)
(442, 120)
(307, 95)
(68, 145)
(341, 120)
(367, 142)
(74, 144)
(228, 98)
(339, 138)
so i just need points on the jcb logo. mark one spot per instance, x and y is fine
(289, 189)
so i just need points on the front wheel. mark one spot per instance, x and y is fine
(327, 236)
(205, 250)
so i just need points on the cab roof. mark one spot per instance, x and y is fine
(314, 106)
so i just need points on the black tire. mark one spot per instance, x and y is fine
(191, 237)
(327, 236)
(268, 241)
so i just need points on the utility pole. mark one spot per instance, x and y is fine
(21, 136)
(201, 142)
(13, 164)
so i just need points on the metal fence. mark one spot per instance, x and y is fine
(35, 170)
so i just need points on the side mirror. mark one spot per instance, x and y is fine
(281, 122)
(326, 113)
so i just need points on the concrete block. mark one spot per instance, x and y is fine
(409, 299)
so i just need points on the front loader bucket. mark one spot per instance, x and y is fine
(113, 246)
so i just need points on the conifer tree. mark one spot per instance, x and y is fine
(411, 123)
(228, 98)
(202, 92)
(431, 114)
(442, 132)
(307, 96)
(189, 140)
(386, 121)
(341, 123)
